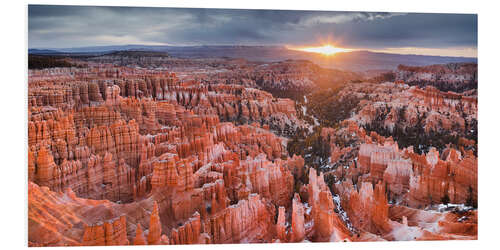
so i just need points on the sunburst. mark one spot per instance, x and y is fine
(327, 49)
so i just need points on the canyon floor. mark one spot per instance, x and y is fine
(138, 148)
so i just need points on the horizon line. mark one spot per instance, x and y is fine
(379, 51)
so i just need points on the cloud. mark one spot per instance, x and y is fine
(52, 26)
(346, 17)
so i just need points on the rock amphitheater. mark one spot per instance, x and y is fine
(128, 156)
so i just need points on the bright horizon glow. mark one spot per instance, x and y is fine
(451, 51)
(326, 50)
(329, 50)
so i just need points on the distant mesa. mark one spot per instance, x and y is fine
(138, 53)
(354, 61)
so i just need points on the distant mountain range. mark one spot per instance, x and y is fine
(353, 61)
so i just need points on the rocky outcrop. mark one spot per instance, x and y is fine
(327, 224)
(272, 181)
(280, 225)
(440, 181)
(189, 233)
(298, 227)
(154, 233)
(139, 236)
(128, 155)
(453, 76)
(247, 221)
(399, 108)
(397, 177)
(63, 219)
(374, 159)
(110, 233)
(368, 208)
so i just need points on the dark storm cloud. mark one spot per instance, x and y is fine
(73, 26)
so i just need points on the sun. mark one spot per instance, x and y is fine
(326, 50)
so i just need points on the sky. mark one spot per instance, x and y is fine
(57, 26)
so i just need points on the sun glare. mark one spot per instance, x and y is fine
(325, 49)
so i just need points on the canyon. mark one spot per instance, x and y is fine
(122, 151)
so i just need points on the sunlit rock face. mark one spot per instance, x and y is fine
(452, 76)
(453, 180)
(327, 224)
(397, 109)
(393, 194)
(132, 156)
